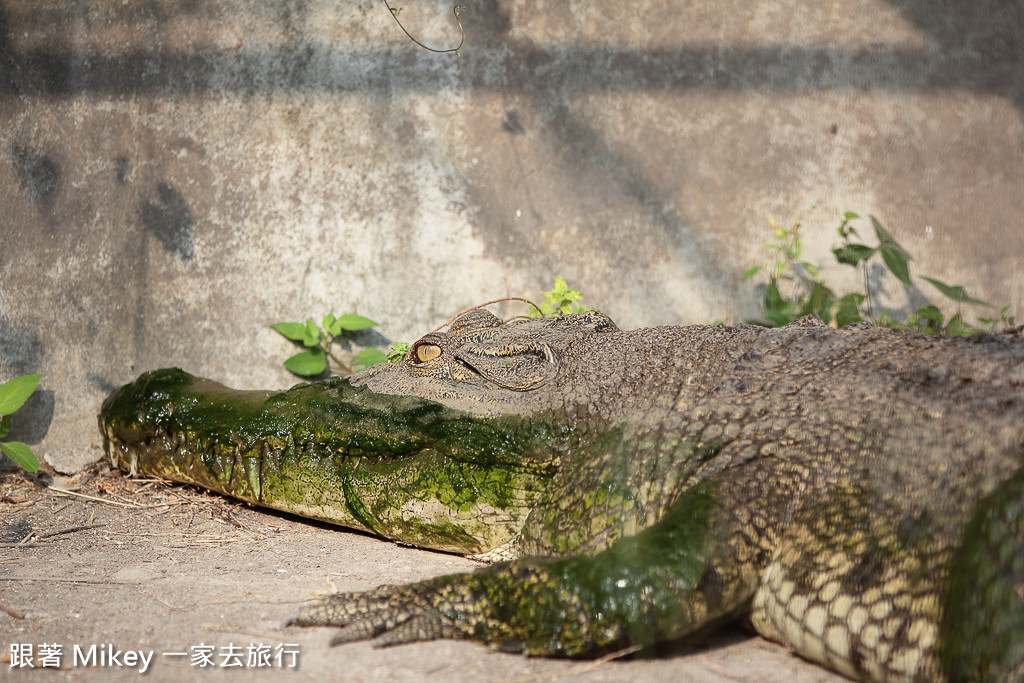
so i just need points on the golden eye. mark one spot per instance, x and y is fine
(425, 352)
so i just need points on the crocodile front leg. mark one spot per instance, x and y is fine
(692, 569)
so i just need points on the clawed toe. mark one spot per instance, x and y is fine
(387, 615)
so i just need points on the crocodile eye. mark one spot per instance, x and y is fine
(425, 352)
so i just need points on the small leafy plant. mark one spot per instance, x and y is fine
(559, 301)
(13, 395)
(813, 296)
(317, 340)
(397, 351)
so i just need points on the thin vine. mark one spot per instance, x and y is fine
(455, 10)
(495, 301)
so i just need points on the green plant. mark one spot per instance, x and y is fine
(317, 342)
(791, 271)
(13, 394)
(810, 294)
(559, 301)
(397, 351)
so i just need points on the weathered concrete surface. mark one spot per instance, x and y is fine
(175, 176)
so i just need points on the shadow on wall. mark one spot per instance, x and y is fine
(976, 53)
(39, 174)
(32, 421)
(23, 353)
(169, 219)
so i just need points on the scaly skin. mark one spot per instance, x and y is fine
(401, 467)
(858, 494)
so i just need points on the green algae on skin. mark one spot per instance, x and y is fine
(625, 595)
(402, 467)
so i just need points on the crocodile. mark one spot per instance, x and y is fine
(854, 494)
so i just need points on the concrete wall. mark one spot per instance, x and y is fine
(175, 176)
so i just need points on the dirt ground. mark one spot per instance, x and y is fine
(140, 566)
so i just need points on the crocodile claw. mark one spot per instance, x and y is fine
(387, 615)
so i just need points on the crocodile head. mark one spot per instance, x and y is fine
(489, 368)
(448, 449)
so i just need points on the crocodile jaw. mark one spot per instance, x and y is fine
(404, 468)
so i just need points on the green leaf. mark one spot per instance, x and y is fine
(958, 328)
(20, 454)
(926, 319)
(369, 356)
(311, 334)
(778, 319)
(881, 233)
(5, 426)
(307, 363)
(751, 272)
(853, 254)
(956, 293)
(819, 302)
(773, 300)
(894, 256)
(397, 351)
(331, 325)
(883, 320)
(796, 249)
(848, 310)
(991, 323)
(896, 261)
(845, 229)
(14, 392)
(352, 322)
(812, 271)
(293, 331)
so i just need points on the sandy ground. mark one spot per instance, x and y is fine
(148, 567)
